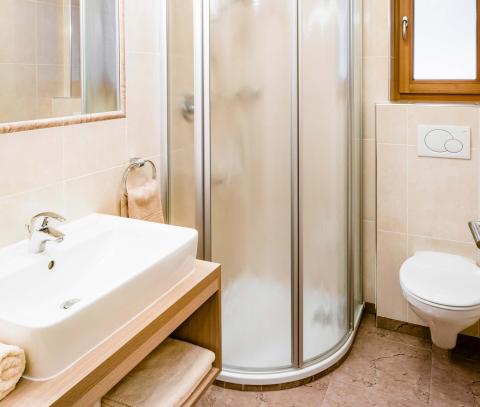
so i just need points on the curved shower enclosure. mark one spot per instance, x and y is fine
(264, 159)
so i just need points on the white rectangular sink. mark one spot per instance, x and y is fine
(60, 304)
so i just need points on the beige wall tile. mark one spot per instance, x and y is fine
(49, 34)
(50, 80)
(102, 190)
(392, 252)
(376, 28)
(44, 108)
(146, 17)
(442, 196)
(17, 33)
(421, 243)
(17, 92)
(369, 236)
(30, 160)
(392, 187)
(391, 124)
(107, 140)
(18, 80)
(143, 107)
(50, 84)
(375, 90)
(62, 107)
(369, 180)
(442, 115)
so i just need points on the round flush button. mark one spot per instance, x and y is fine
(453, 146)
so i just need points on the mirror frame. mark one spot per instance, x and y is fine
(12, 127)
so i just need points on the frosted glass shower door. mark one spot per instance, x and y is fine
(324, 157)
(251, 55)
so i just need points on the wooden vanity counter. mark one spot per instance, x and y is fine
(191, 311)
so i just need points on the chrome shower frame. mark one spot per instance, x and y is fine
(299, 368)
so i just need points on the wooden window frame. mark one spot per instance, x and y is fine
(403, 86)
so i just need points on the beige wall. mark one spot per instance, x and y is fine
(421, 203)
(75, 170)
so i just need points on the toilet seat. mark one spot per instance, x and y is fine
(436, 305)
(442, 280)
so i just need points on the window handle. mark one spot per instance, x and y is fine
(404, 27)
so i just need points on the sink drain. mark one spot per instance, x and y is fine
(69, 303)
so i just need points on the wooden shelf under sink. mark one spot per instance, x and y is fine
(191, 311)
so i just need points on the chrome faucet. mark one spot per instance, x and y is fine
(41, 232)
(475, 229)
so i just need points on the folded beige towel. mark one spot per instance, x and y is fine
(12, 366)
(143, 202)
(165, 378)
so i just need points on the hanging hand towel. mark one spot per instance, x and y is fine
(143, 202)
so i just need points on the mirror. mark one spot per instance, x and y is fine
(59, 59)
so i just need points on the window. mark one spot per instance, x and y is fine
(435, 47)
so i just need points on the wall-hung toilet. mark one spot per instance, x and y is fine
(444, 291)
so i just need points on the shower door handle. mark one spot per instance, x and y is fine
(188, 107)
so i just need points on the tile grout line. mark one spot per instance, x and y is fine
(474, 149)
(65, 180)
(326, 392)
(424, 236)
(403, 343)
(393, 232)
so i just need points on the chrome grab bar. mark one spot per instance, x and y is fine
(137, 163)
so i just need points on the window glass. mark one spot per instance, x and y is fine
(445, 40)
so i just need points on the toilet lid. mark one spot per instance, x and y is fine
(442, 279)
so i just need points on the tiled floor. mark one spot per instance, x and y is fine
(384, 368)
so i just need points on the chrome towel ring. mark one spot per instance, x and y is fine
(137, 163)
